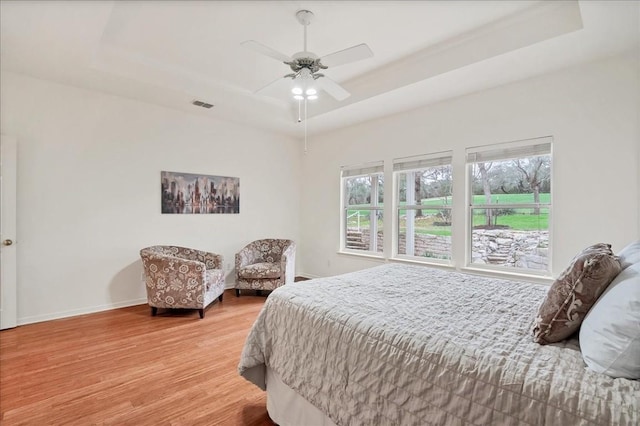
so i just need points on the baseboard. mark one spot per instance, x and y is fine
(310, 276)
(91, 310)
(83, 311)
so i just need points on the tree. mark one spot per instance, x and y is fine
(535, 171)
(358, 189)
(418, 191)
(486, 187)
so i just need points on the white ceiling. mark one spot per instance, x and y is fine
(173, 52)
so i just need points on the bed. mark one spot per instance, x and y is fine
(409, 345)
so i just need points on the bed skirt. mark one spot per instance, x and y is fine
(287, 408)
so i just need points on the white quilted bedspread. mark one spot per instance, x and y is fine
(410, 345)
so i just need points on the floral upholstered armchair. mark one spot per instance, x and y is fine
(181, 278)
(265, 265)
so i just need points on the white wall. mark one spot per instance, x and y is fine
(592, 111)
(89, 191)
(89, 167)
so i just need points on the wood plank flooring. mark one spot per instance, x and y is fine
(125, 367)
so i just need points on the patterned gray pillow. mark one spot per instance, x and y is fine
(574, 292)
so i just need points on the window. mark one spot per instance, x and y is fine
(424, 187)
(509, 212)
(362, 206)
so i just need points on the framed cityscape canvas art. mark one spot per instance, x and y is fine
(186, 193)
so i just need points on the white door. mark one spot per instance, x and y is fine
(8, 167)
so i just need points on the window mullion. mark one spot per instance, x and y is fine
(373, 215)
(410, 215)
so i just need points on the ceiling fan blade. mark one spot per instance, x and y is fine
(281, 85)
(350, 54)
(266, 50)
(332, 88)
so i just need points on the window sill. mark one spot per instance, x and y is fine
(519, 276)
(443, 265)
(367, 255)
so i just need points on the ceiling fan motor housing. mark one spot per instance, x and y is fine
(306, 60)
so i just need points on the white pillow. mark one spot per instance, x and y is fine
(610, 333)
(630, 254)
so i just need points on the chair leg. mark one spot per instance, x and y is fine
(154, 311)
(220, 297)
(201, 313)
(237, 292)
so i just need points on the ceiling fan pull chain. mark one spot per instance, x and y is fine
(305, 126)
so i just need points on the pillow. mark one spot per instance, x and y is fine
(610, 333)
(574, 292)
(630, 254)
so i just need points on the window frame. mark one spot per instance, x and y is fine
(374, 171)
(408, 166)
(501, 152)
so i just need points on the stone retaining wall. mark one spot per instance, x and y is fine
(521, 249)
(365, 239)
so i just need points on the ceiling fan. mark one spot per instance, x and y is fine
(306, 66)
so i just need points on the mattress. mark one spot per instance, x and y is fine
(410, 345)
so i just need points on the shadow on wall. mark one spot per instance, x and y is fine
(127, 286)
(230, 278)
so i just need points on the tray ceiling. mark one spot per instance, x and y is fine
(171, 53)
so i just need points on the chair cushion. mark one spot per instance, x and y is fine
(260, 270)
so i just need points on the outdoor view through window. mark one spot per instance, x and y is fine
(509, 210)
(424, 209)
(508, 207)
(364, 199)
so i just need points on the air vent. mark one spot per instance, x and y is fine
(202, 104)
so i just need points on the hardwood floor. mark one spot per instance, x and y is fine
(125, 367)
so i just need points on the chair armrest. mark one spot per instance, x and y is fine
(211, 260)
(288, 263)
(291, 249)
(167, 278)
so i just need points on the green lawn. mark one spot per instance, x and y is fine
(520, 222)
(511, 198)
(441, 231)
(517, 219)
(495, 199)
